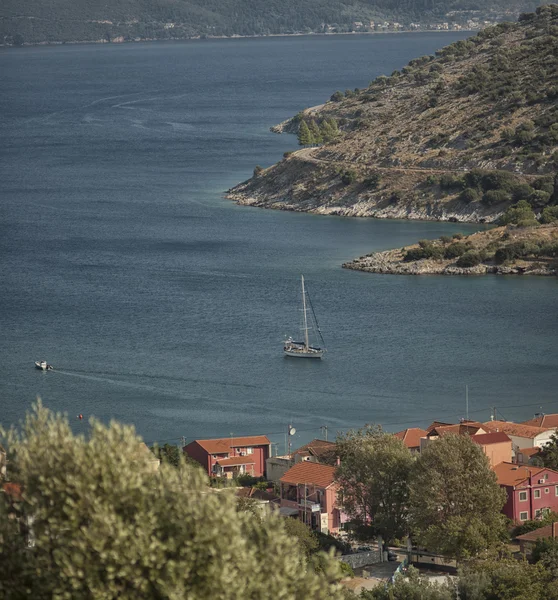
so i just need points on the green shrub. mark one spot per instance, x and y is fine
(471, 258)
(432, 180)
(549, 214)
(349, 176)
(373, 181)
(445, 239)
(455, 250)
(522, 211)
(504, 254)
(450, 182)
(470, 195)
(492, 197)
(337, 96)
(539, 198)
(498, 180)
(457, 236)
(414, 254)
(546, 184)
(521, 191)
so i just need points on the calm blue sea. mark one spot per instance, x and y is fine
(163, 305)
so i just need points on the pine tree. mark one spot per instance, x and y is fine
(316, 133)
(305, 137)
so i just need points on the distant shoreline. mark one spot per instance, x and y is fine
(230, 37)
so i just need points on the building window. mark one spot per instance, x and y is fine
(546, 490)
(523, 516)
(523, 496)
(249, 450)
(556, 492)
(537, 494)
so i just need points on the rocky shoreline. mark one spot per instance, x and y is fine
(391, 262)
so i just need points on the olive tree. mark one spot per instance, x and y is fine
(96, 521)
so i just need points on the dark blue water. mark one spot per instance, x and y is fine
(163, 305)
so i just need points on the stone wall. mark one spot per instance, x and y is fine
(361, 559)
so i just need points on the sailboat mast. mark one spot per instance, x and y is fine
(304, 311)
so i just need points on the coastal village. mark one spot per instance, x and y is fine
(303, 485)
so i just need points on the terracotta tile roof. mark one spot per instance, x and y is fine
(547, 421)
(530, 452)
(234, 461)
(411, 437)
(496, 437)
(466, 428)
(511, 474)
(311, 473)
(436, 424)
(543, 532)
(322, 450)
(223, 445)
(517, 429)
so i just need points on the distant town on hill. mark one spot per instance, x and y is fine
(64, 21)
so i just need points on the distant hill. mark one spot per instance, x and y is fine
(39, 21)
(461, 135)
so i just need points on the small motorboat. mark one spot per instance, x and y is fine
(42, 365)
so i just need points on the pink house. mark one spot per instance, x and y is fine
(230, 457)
(531, 491)
(308, 490)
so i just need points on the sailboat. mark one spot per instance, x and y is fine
(304, 349)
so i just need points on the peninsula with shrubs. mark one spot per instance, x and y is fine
(520, 246)
(461, 135)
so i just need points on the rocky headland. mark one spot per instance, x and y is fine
(509, 250)
(460, 136)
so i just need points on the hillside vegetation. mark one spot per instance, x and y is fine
(460, 135)
(37, 21)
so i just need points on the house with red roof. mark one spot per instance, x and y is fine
(522, 436)
(309, 491)
(230, 457)
(542, 420)
(496, 445)
(531, 491)
(529, 539)
(411, 438)
(438, 430)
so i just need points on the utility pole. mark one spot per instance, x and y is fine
(324, 430)
(467, 401)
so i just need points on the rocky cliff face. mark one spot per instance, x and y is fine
(422, 143)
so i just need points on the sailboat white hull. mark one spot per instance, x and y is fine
(302, 348)
(311, 353)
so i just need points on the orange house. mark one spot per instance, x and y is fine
(497, 446)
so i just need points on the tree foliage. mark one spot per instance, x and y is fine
(455, 501)
(504, 578)
(549, 452)
(373, 479)
(107, 526)
(169, 453)
(411, 587)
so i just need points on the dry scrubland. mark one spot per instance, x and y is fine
(408, 142)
